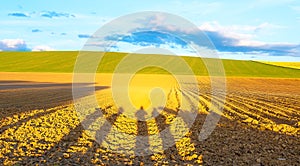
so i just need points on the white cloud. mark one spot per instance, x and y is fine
(258, 56)
(244, 34)
(20, 45)
(215, 26)
(13, 45)
(250, 43)
(42, 48)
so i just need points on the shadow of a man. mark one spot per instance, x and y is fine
(140, 114)
(168, 141)
(142, 139)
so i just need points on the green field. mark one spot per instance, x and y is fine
(63, 62)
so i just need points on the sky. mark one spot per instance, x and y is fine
(250, 29)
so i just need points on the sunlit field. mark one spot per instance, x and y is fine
(168, 83)
(295, 65)
(39, 124)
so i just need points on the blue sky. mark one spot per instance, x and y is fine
(250, 29)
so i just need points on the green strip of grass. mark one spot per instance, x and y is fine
(63, 62)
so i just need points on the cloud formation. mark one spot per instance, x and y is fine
(18, 14)
(230, 39)
(13, 45)
(53, 14)
(20, 45)
(36, 30)
(148, 38)
(83, 36)
(240, 39)
(42, 48)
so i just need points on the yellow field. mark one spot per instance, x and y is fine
(295, 65)
(39, 123)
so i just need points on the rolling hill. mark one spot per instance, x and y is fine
(63, 62)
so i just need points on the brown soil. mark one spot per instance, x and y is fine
(260, 124)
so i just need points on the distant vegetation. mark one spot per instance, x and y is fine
(63, 62)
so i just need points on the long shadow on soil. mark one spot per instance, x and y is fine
(20, 122)
(73, 136)
(40, 114)
(168, 140)
(101, 135)
(56, 153)
(142, 139)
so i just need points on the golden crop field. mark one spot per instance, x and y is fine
(260, 123)
(295, 65)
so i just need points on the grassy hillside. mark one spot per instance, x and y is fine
(63, 61)
(59, 61)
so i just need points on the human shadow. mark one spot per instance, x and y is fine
(191, 118)
(73, 136)
(101, 134)
(22, 121)
(63, 93)
(56, 152)
(168, 141)
(142, 139)
(106, 127)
